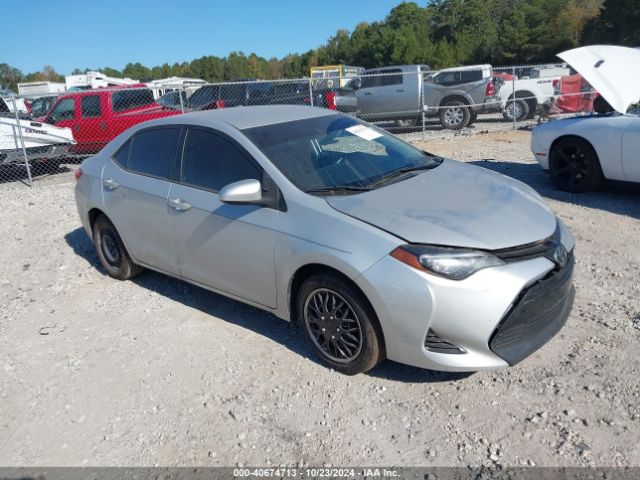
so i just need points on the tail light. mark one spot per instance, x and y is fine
(219, 103)
(491, 89)
(306, 100)
(556, 86)
(78, 174)
(330, 100)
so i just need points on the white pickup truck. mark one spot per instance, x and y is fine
(530, 91)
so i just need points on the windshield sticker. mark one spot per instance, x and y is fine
(363, 131)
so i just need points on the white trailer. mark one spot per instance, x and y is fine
(95, 80)
(165, 85)
(35, 89)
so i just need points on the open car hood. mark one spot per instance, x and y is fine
(612, 71)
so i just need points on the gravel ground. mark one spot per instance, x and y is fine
(155, 371)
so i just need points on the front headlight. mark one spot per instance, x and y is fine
(451, 263)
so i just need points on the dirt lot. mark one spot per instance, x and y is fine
(155, 371)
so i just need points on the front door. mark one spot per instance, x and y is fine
(228, 247)
(631, 149)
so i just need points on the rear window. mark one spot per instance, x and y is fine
(457, 77)
(204, 96)
(153, 151)
(132, 98)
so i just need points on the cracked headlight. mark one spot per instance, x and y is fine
(451, 263)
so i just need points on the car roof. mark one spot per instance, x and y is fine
(246, 117)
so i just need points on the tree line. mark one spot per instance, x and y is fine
(441, 34)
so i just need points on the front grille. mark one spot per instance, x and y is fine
(434, 343)
(543, 248)
(537, 315)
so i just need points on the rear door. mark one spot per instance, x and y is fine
(95, 131)
(135, 187)
(368, 105)
(228, 247)
(399, 92)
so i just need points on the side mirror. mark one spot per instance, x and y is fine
(244, 191)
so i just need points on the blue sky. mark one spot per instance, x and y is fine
(81, 33)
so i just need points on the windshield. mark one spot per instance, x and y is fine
(336, 152)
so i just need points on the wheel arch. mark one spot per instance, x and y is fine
(306, 271)
(528, 96)
(454, 97)
(576, 137)
(94, 213)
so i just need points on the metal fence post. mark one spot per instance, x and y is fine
(311, 92)
(513, 93)
(180, 97)
(24, 150)
(423, 113)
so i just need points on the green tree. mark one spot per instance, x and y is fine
(618, 23)
(10, 77)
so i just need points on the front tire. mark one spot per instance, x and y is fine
(339, 324)
(111, 251)
(454, 115)
(574, 166)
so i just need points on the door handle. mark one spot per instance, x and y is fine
(110, 184)
(179, 205)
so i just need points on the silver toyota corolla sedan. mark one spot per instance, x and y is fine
(377, 249)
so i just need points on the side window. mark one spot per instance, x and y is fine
(469, 76)
(152, 151)
(122, 156)
(391, 77)
(64, 110)
(91, 106)
(209, 161)
(132, 98)
(371, 79)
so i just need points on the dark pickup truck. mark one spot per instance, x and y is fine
(236, 94)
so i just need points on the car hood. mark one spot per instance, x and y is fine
(612, 71)
(455, 204)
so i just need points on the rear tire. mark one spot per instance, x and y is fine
(339, 324)
(519, 109)
(454, 115)
(406, 122)
(574, 166)
(111, 251)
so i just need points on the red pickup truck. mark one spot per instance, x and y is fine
(98, 116)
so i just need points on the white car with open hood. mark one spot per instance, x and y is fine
(581, 152)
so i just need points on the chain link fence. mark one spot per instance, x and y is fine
(44, 135)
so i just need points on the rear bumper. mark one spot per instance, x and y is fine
(45, 152)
